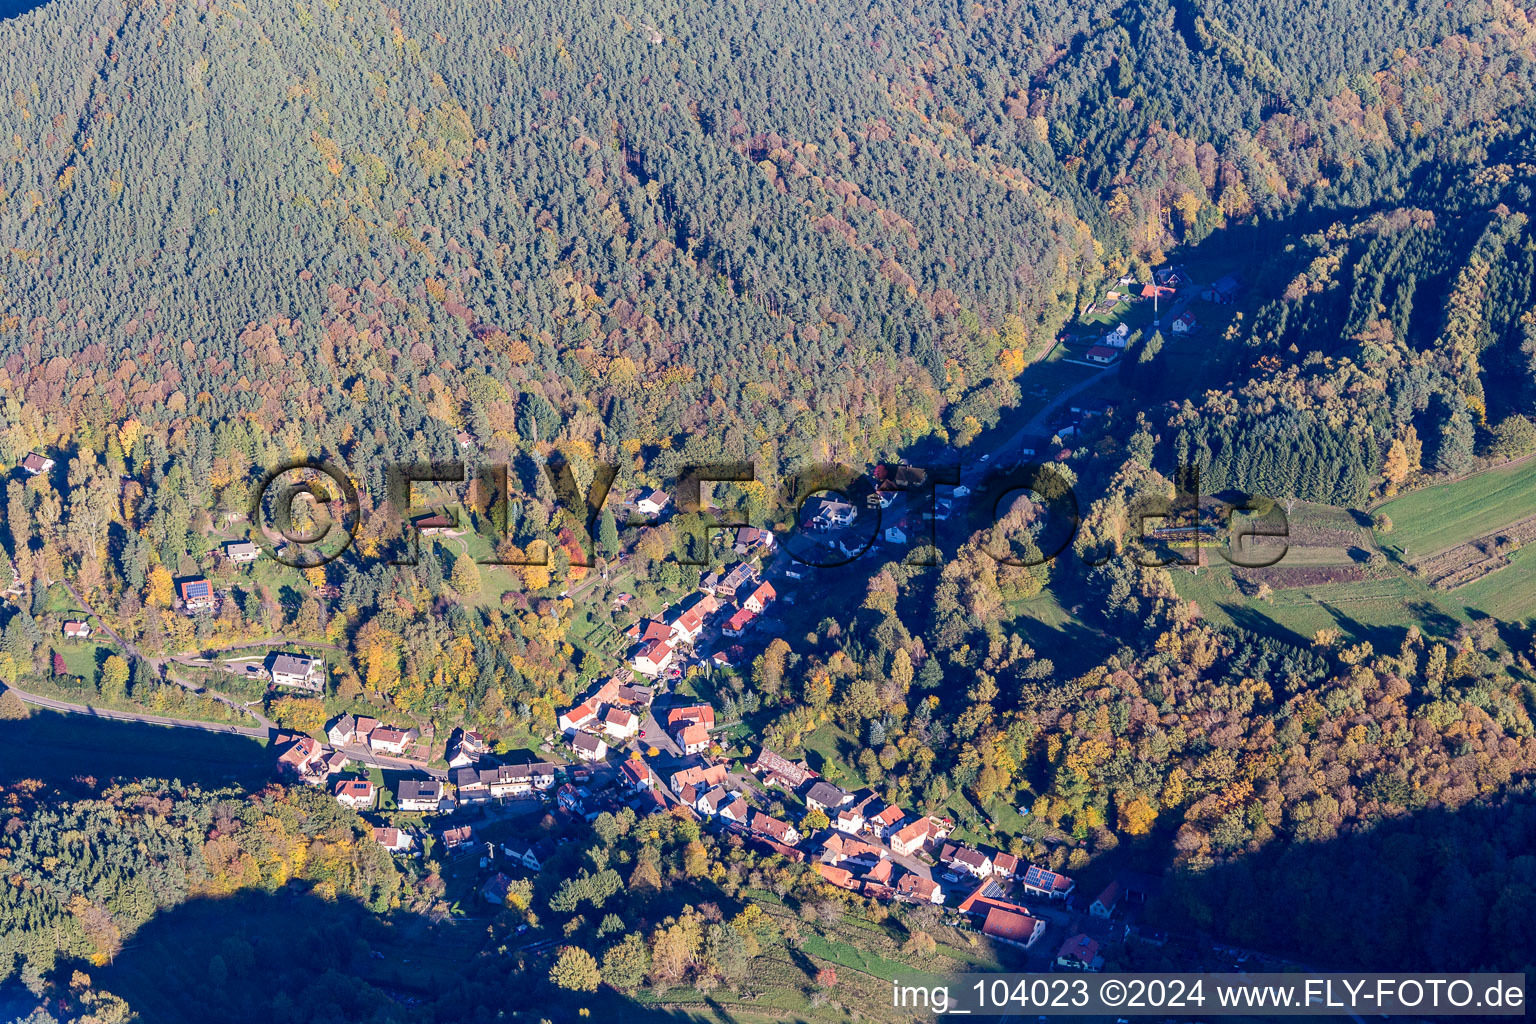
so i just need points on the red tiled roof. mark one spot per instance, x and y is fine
(1005, 924)
(701, 713)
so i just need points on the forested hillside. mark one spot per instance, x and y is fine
(708, 228)
(692, 231)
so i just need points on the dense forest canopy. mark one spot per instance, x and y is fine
(683, 232)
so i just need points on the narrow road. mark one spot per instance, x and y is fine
(1039, 423)
(250, 732)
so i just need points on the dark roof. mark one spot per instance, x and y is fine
(422, 789)
(826, 794)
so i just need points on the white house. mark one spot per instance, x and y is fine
(357, 794)
(392, 839)
(1185, 324)
(35, 464)
(895, 535)
(579, 717)
(654, 658)
(653, 503)
(391, 741)
(589, 747)
(420, 795)
(241, 551)
(77, 630)
(620, 724)
(342, 731)
(296, 671)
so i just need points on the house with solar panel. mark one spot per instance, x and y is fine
(1053, 885)
(196, 594)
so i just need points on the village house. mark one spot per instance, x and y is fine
(779, 831)
(740, 576)
(692, 738)
(496, 888)
(701, 714)
(836, 848)
(342, 731)
(296, 671)
(823, 796)
(35, 464)
(1103, 355)
(653, 503)
(577, 718)
(1080, 953)
(758, 601)
(419, 795)
(196, 594)
(1104, 906)
(468, 787)
(1038, 881)
(776, 770)
(916, 889)
(687, 626)
(637, 775)
(392, 839)
(712, 802)
(1185, 323)
(836, 514)
(388, 740)
(749, 538)
(635, 695)
(736, 810)
(895, 533)
(430, 523)
(1005, 865)
(589, 747)
(358, 794)
(530, 855)
(917, 835)
(653, 658)
(648, 629)
(1012, 927)
(569, 799)
(302, 756)
(465, 748)
(700, 776)
(738, 622)
(335, 761)
(453, 838)
(620, 724)
(1224, 291)
(364, 728)
(840, 877)
(77, 630)
(507, 781)
(238, 551)
(884, 823)
(966, 860)
(464, 438)
(848, 819)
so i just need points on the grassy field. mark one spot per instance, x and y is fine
(1443, 516)
(1378, 610)
(55, 747)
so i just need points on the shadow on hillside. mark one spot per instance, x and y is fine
(56, 747)
(259, 957)
(1438, 890)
